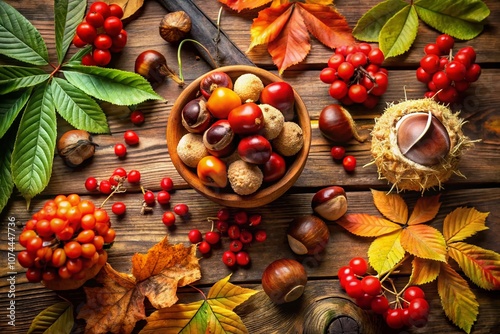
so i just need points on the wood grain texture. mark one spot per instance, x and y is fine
(137, 233)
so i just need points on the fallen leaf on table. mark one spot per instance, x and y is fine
(119, 303)
(214, 314)
(57, 318)
(129, 6)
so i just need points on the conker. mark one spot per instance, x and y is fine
(422, 138)
(195, 116)
(213, 80)
(219, 139)
(330, 202)
(336, 124)
(175, 26)
(75, 146)
(284, 280)
(152, 65)
(254, 149)
(308, 235)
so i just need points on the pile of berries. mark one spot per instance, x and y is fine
(355, 76)
(103, 29)
(241, 229)
(410, 309)
(445, 75)
(114, 182)
(65, 239)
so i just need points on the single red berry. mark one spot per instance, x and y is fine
(95, 19)
(255, 220)
(229, 258)
(260, 235)
(91, 183)
(413, 292)
(100, 7)
(120, 171)
(364, 302)
(380, 304)
(130, 137)
(212, 237)
(134, 176)
(88, 60)
(337, 152)
(86, 32)
(223, 214)
(105, 187)
(113, 25)
(137, 117)
(234, 232)
(445, 43)
(163, 197)
(418, 309)
(394, 318)
(432, 49)
(222, 226)
(241, 217)
(195, 236)
(371, 285)
(358, 265)
(242, 258)
(353, 289)
(167, 184)
(119, 41)
(204, 247)
(77, 41)
(120, 150)
(343, 272)
(181, 209)
(101, 57)
(376, 56)
(235, 246)
(118, 208)
(349, 163)
(103, 42)
(423, 76)
(115, 10)
(246, 236)
(168, 218)
(430, 63)
(149, 198)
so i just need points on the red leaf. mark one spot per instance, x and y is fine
(326, 24)
(268, 25)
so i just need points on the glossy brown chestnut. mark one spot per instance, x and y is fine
(336, 124)
(330, 202)
(422, 138)
(308, 235)
(219, 139)
(284, 280)
(274, 168)
(195, 116)
(254, 149)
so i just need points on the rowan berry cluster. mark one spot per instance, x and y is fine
(65, 239)
(241, 229)
(355, 75)
(410, 308)
(103, 29)
(445, 75)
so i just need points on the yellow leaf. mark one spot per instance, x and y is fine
(129, 6)
(458, 301)
(424, 271)
(481, 265)
(392, 206)
(425, 209)
(386, 252)
(365, 225)
(320, 2)
(462, 223)
(228, 295)
(424, 241)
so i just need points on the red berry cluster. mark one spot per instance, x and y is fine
(65, 239)
(103, 29)
(131, 138)
(114, 182)
(348, 161)
(241, 229)
(445, 75)
(355, 76)
(412, 309)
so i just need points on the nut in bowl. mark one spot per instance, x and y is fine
(239, 173)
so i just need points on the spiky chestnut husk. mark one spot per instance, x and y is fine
(404, 173)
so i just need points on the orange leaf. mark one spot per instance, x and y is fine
(292, 44)
(462, 223)
(424, 271)
(239, 5)
(481, 265)
(458, 301)
(424, 241)
(366, 225)
(392, 206)
(425, 209)
(268, 25)
(326, 24)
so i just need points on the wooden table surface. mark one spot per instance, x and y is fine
(137, 233)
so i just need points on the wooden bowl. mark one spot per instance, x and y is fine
(226, 196)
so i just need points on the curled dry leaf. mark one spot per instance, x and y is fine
(129, 6)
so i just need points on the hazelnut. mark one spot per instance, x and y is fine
(248, 87)
(191, 149)
(284, 280)
(330, 202)
(290, 140)
(308, 235)
(76, 146)
(273, 121)
(422, 138)
(175, 26)
(245, 178)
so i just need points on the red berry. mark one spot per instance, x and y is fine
(242, 258)
(423, 76)
(137, 117)
(149, 198)
(221, 226)
(371, 285)
(113, 26)
(432, 49)
(418, 309)
(134, 176)
(469, 50)
(86, 32)
(365, 301)
(120, 150)
(328, 75)
(204, 247)
(357, 93)
(166, 184)
(376, 56)
(105, 187)
(223, 214)
(337, 152)
(95, 19)
(88, 60)
(358, 59)
(115, 10)
(91, 183)
(335, 60)
(168, 218)
(413, 292)
(473, 73)
(441, 80)
(358, 265)
(246, 236)
(353, 289)
(255, 219)
(103, 42)
(77, 41)
(379, 304)
(445, 43)
(120, 172)
(181, 209)
(195, 236)
(381, 83)
(338, 89)
(163, 197)
(234, 232)
(130, 137)
(229, 258)
(455, 70)
(430, 63)
(349, 163)
(100, 7)
(235, 246)
(101, 57)
(241, 217)
(260, 235)
(394, 318)
(118, 208)
(345, 71)
(212, 237)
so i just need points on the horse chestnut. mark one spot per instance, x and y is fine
(284, 280)
(308, 235)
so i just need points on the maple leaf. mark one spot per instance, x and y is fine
(424, 271)
(118, 304)
(211, 315)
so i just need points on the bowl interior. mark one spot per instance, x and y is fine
(267, 193)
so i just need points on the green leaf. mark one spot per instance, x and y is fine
(398, 34)
(110, 85)
(67, 15)
(19, 39)
(76, 59)
(6, 183)
(10, 106)
(35, 144)
(77, 108)
(461, 19)
(14, 77)
(57, 318)
(370, 24)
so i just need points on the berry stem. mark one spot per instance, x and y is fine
(389, 272)
(119, 188)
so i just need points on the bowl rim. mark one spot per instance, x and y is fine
(262, 196)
